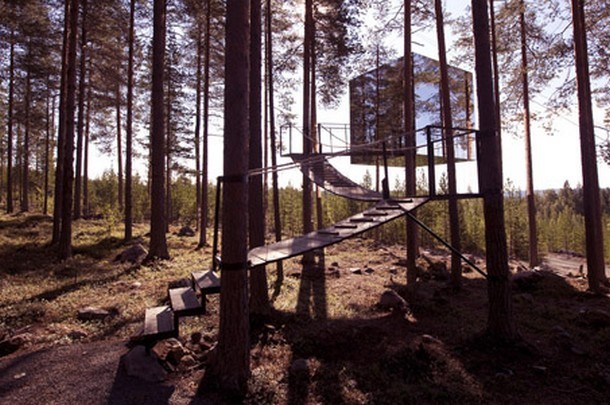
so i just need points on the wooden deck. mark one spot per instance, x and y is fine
(381, 213)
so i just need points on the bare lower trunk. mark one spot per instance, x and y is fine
(158, 243)
(277, 224)
(454, 220)
(206, 104)
(410, 154)
(500, 321)
(81, 114)
(232, 368)
(129, 128)
(65, 237)
(531, 202)
(259, 300)
(25, 178)
(593, 219)
(9, 146)
(307, 186)
(119, 144)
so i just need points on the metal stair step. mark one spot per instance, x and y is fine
(159, 324)
(184, 301)
(205, 283)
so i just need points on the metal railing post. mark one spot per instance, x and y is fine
(431, 163)
(385, 183)
(216, 223)
(319, 138)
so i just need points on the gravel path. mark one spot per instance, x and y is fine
(86, 374)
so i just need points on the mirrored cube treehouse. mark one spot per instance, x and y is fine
(377, 112)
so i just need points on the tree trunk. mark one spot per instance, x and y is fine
(233, 366)
(277, 223)
(25, 177)
(65, 236)
(259, 299)
(86, 152)
(119, 140)
(206, 104)
(47, 147)
(454, 220)
(596, 272)
(500, 320)
(410, 154)
(158, 243)
(129, 128)
(313, 128)
(496, 76)
(81, 113)
(9, 146)
(531, 202)
(61, 132)
(307, 187)
(168, 148)
(198, 126)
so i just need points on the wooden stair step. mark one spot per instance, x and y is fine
(184, 301)
(159, 323)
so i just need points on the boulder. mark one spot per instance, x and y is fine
(355, 270)
(438, 271)
(526, 280)
(133, 254)
(186, 231)
(299, 368)
(140, 364)
(10, 345)
(170, 351)
(92, 314)
(390, 300)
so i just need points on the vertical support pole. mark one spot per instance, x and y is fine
(216, 223)
(319, 138)
(385, 183)
(431, 163)
(290, 138)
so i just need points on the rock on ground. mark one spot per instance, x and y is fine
(390, 300)
(133, 254)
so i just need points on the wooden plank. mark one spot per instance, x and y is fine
(159, 323)
(184, 301)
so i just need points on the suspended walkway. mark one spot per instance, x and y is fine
(319, 170)
(163, 321)
(381, 213)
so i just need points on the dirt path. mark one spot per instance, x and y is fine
(88, 374)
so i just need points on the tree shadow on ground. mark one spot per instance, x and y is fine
(19, 222)
(441, 353)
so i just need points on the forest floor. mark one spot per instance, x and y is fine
(327, 340)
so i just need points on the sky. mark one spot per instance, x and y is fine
(556, 156)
